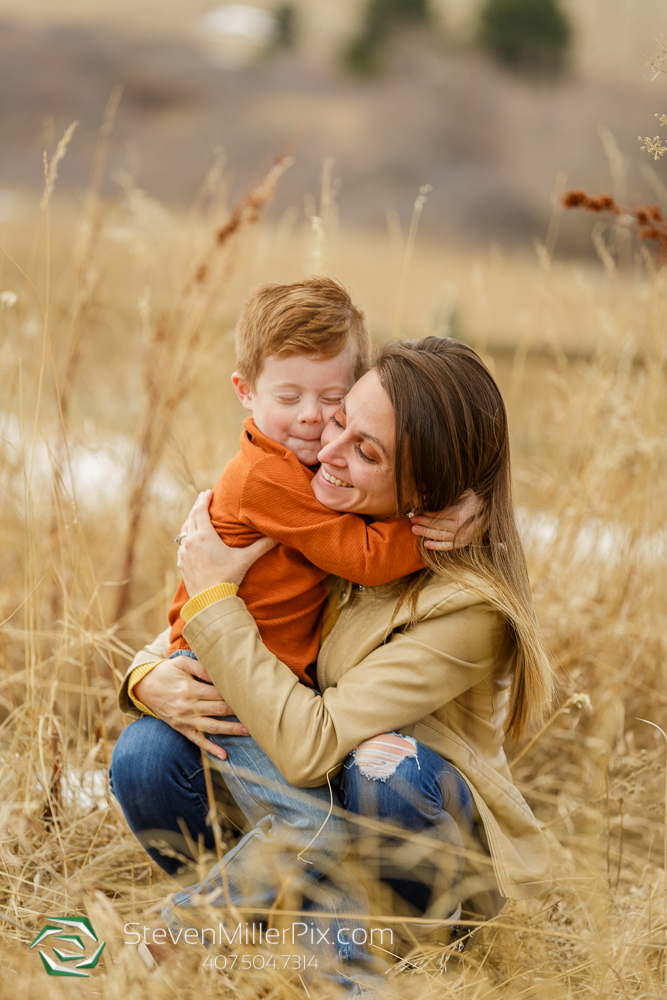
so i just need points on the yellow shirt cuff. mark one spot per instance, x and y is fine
(133, 680)
(210, 596)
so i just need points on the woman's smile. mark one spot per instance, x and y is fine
(333, 481)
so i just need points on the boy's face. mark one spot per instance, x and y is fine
(294, 397)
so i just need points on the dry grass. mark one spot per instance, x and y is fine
(112, 322)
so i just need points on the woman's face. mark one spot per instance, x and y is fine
(357, 456)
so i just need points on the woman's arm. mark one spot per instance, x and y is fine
(191, 706)
(399, 683)
(179, 691)
(304, 734)
(151, 654)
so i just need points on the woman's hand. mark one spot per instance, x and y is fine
(443, 530)
(173, 693)
(203, 558)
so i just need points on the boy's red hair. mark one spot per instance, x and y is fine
(313, 316)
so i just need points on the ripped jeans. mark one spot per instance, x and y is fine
(412, 818)
(409, 811)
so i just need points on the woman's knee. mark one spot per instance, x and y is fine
(374, 778)
(394, 776)
(379, 757)
(145, 753)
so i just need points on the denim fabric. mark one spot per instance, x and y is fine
(158, 778)
(293, 841)
(424, 796)
(293, 847)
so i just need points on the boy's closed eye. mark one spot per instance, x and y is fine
(296, 399)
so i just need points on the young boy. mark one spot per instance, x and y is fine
(300, 348)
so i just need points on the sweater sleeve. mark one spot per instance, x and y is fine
(137, 674)
(275, 503)
(151, 654)
(406, 679)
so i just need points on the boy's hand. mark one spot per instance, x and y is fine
(174, 692)
(452, 528)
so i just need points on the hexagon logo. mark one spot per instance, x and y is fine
(74, 934)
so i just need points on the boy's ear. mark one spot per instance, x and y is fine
(243, 390)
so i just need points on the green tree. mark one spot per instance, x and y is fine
(381, 17)
(285, 36)
(526, 34)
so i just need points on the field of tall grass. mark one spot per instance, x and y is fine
(116, 345)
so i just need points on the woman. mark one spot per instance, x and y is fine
(441, 666)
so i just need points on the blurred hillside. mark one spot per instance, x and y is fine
(611, 34)
(490, 143)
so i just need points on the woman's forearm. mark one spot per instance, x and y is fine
(134, 681)
(156, 650)
(307, 736)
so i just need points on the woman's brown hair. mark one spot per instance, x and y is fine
(452, 421)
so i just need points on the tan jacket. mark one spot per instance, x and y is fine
(445, 681)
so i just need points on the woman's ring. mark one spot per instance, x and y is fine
(179, 538)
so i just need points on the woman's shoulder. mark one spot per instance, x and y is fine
(440, 595)
(430, 604)
(440, 614)
(443, 606)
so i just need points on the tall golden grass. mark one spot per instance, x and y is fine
(116, 345)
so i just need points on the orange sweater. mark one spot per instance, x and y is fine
(265, 490)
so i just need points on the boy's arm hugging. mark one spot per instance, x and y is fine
(276, 504)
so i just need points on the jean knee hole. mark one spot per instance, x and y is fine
(379, 758)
